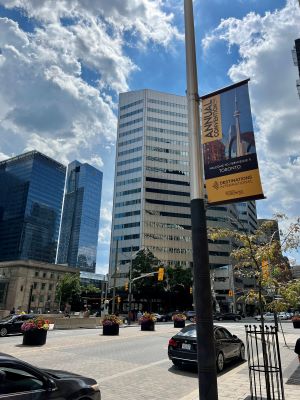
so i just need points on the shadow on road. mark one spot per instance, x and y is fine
(191, 371)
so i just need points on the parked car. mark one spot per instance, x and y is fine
(283, 315)
(13, 323)
(227, 316)
(21, 380)
(182, 349)
(267, 317)
(190, 315)
(161, 317)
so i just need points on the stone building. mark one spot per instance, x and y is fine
(19, 279)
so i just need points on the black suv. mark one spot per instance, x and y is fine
(13, 323)
(228, 316)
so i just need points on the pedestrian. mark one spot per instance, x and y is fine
(297, 349)
(139, 314)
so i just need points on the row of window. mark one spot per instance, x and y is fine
(126, 226)
(165, 121)
(127, 214)
(129, 171)
(128, 203)
(166, 160)
(131, 113)
(169, 250)
(130, 161)
(168, 151)
(170, 132)
(129, 181)
(134, 140)
(166, 112)
(167, 237)
(132, 104)
(134, 150)
(151, 224)
(127, 237)
(167, 181)
(166, 171)
(219, 253)
(168, 192)
(126, 192)
(168, 203)
(168, 214)
(134, 121)
(40, 298)
(131, 131)
(167, 141)
(42, 274)
(42, 285)
(167, 103)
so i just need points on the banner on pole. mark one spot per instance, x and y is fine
(229, 153)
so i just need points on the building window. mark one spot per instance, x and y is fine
(21, 288)
(50, 286)
(52, 275)
(35, 285)
(44, 274)
(43, 286)
(36, 273)
(41, 298)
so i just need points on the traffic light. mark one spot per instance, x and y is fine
(230, 293)
(191, 290)
(160, 276)
(126, 286)
(118, 299)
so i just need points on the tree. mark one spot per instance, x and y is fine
(68, 289)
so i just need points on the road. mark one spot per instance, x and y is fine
(133, 365)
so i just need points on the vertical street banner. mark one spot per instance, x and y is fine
(229, 153)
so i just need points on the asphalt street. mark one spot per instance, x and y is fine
(133, 365)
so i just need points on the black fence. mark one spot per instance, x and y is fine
(265, 373)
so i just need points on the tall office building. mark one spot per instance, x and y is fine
(80, 219)
(31, 195)
(151, 206)
(296, 58)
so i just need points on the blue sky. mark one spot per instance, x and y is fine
(63, 63)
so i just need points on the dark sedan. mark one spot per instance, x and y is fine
(227, 316)
(13, 323)
(22, 381)
(182, 349)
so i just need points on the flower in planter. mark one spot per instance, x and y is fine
(296, 318)
(147, 317)
(35, 323)
(179, 317)
(111, 320)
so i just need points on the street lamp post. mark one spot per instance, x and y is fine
(206, 356)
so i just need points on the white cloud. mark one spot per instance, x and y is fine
(264, 44)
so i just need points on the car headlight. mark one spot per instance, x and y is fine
(95, 387)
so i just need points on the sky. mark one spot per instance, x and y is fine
(63, 64)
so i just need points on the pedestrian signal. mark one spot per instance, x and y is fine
(118, 299)
(230, 293)
(160, 276)
(126, 286)
(191, 290)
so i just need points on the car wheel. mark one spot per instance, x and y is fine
(242, 352)
(3, 332)
(220, 362)
(220, 319)
(236, 318)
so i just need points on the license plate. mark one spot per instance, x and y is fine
(186, 346)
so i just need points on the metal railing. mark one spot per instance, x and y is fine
(265, 373)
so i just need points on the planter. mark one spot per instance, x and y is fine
(111, 330)
(35, 337)
(296, 324)
(179, 324)
(148, 326)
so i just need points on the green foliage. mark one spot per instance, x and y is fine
(68, 288)
(176, 277)
(90, 288)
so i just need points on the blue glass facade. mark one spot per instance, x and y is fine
(80, 220)
(31, 195)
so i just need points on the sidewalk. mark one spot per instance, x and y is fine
(234, 384)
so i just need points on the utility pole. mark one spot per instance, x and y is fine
(29, 300)
(130, 289)
(115, 278)
(206, 356)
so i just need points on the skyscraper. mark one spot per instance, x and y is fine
(31, 195)
(151, 206)
(80, 219)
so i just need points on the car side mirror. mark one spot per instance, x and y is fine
(51, 385)
(234, 336)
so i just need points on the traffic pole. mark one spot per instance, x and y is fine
(206, 355)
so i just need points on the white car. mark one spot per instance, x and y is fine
(283, 315)
(267, 317)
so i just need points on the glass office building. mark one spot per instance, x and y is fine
(80, 220)
(31, 195)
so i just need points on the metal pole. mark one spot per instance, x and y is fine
(29, 300)
(115, 278)
(130, 290)
(206, 356)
